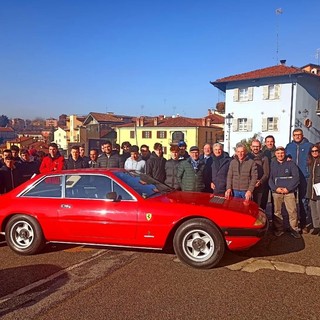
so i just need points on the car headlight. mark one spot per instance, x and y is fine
(261, 219)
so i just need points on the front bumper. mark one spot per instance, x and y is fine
(246, 232)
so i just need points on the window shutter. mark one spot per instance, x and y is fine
(275, 123)
(277, 91)
(264, 124)
(236, 94)
(235, 125)
(250, 93)
(265, 92)
(249, 124)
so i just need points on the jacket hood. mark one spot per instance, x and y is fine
(304, 140)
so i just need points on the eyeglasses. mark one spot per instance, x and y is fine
(315, 150)
(297, 134)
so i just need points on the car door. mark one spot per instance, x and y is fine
(86, 215)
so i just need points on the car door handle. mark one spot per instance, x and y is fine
(66, 206)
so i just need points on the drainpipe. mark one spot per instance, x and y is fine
(291, 108)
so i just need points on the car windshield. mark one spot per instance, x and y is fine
(143, 184)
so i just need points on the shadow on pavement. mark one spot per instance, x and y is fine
(270, 245)
(13, 279)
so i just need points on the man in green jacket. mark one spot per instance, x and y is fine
(190, 172)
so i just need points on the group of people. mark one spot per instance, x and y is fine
(285, 175)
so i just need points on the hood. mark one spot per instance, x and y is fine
(209, 200)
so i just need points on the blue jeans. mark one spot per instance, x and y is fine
(239, 194)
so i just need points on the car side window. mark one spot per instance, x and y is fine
(50, 187)
(121, 193)
(87, 186)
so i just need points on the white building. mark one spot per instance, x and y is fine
(272, 101)
(61, 138)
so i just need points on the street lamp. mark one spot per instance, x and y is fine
(228, 119)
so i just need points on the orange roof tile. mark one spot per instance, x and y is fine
(274, 71)
(6, 129)
(173, 122)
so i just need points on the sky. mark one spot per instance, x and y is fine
(142, 57)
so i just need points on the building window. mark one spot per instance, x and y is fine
(242, 124)
(132, 135)
(161, 134)
(271, 92)
(270, 124)
(146, 135)
(243, 94)
(177, 136)
(164, 150)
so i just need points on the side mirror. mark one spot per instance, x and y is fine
(112, 196)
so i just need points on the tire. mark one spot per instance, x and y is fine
(24, 235)
(199, 243)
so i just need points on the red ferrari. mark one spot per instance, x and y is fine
(126, 209)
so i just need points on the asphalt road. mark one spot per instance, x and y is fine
(277, 279)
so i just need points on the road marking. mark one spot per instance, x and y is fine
(253, 265)
(33, 285)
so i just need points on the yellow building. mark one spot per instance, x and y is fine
(170, 130)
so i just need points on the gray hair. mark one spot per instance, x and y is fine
(241, 145)
(217, 144)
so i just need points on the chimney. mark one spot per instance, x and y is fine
(209, 112)
(208, 122)
(203, 122)
(137, 122)
(155, 121)
(141, 121)
(283, 62)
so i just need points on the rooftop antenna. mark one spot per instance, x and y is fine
(279, 11)
(142, 107)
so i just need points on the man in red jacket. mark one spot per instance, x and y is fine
(53, 161)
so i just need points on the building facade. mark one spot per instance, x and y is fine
(272, 101)
(170, 130)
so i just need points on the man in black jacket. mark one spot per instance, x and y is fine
(171, 168)
(109, 159)
(156, 163)
(262, 163)
(283, 182)
(10, 175)
(219, 169)
(28, 166)
(75, 161)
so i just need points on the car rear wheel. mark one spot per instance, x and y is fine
(24, 235)
(199, 243)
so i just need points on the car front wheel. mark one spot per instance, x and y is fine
(199, 243)
(24, 235)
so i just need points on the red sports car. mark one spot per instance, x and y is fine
(123, 208)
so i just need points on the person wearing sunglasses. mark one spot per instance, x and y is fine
(314, 178)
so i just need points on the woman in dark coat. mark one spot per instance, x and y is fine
(220, 167)
(314, 178)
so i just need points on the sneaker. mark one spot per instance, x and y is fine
(278, 233)
(315, 231)
(295, 234)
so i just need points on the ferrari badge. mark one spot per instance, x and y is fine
(148, 216)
